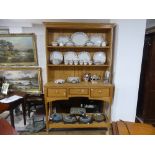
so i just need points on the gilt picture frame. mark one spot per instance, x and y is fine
(23, 79)
(18, 50)
(4, 31)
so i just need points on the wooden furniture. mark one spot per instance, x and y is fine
(12, 105)
(146, 96)
(130, 128)
(6, 128)
(34, 100)
(97, 91)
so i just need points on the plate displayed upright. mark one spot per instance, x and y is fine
(79, 38)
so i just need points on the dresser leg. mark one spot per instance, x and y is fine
(47, 113)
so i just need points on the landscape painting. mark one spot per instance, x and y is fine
(23, 79)
(18, 49)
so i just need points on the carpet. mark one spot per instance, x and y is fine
(31, 124)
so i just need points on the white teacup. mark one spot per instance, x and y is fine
(75, 62)
(71, 62)
(81, 62)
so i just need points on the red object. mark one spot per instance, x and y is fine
(6, 128)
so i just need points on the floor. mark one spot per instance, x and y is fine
(69, 132)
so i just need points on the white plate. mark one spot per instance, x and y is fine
(84, 56)
(56, 57)
(70, 55)
(63, 39)
(99, 58)
(96, 39)
(79, 38)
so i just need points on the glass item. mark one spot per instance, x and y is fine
(99, 58)
(79, 38)
(107, 76)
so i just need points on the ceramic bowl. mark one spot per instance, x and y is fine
(56, 117)
(67, 118)
(99, 117)
(73, 79)
(85, 119)
(59, 81)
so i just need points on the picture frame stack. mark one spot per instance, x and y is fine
(19, 62)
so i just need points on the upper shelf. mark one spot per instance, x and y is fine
(77, 47)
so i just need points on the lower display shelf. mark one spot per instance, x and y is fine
(79, 125)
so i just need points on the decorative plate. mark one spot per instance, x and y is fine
(70, 55)
(79, 38)
(63, 39)
(96, 39)
(99, 58)
(56, 57)
(84, 56)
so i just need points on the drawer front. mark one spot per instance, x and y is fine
(57, 92)
(78, 91)
(98, 92)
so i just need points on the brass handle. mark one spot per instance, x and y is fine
(99, 91)
(56, 91)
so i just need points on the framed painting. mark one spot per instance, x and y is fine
(4, 31)
(27, 80)
(18, 49)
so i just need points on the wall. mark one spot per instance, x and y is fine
(129, 39)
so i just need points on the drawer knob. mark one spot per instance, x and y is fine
(56, 91)
(91, 89)
(99, 91)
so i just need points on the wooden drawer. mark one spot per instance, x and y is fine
(57, 92)
(99, 92)
(78, 91)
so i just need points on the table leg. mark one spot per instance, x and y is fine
(24, 111)
(12, 118)
(47, 113)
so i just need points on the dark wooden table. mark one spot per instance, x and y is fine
(12, 105)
